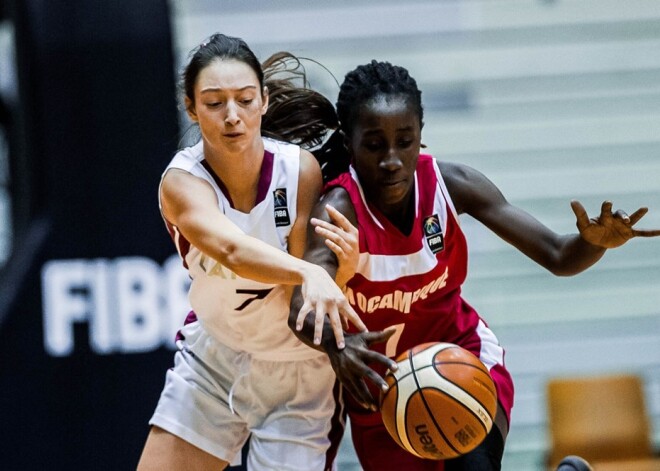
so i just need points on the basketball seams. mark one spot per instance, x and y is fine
(460, 362)
(401, 410)
(461, 396)
(492, 390)
(424, 372)
(430, 413)
(466, 409)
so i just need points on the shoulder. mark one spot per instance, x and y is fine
(309, 167)
(181, 191)
(177, 182)
(187, 158)
(455, 173)
(338, 198)
(280, 147)
(470, 190)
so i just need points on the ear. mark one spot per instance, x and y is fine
(190, 109)
(264, 96)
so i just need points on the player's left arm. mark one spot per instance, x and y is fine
(309, 188)
(339, 233)
(350, 363)
(569, 254)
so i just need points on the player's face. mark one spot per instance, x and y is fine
(385, 145)
(229, 104)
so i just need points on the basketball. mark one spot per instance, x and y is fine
(441, 401)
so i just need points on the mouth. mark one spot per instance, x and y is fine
(232, 135)
(391, 182)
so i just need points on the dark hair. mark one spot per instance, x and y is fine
(218, 46)
(296, 113)
(371, 80)
(360, 85)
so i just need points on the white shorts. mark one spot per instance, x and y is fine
(286, 406)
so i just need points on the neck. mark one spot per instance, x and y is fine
(402, 214)
(239, 170)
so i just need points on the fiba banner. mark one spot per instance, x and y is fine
(88, 337)
(129, 304)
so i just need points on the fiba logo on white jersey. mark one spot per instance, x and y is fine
(433, 233)
(281, 209)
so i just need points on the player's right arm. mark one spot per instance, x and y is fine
(350, 363)
(190, 204)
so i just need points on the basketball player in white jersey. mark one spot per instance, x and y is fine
(413, 256)
(237, 206)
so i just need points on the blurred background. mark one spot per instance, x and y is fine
(552, 100)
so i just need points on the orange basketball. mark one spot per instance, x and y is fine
(441, 402)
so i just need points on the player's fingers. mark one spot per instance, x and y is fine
(337, 250)
(646, 232)
(322, 227)
(335, 234)
(352, 316)
(378, 336)
(580, 214)
(377, 380)
(339, 219)
(637, 215)
(302, 314)
(339, 242)
(606, 209)
(359, 390)
(621, 214)
(335, 322)
(334, 241)
(319, 319)
(365, 397)
(370, 357)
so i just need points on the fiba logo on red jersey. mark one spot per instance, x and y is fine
(433, 233)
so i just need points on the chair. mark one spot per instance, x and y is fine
(602, 419)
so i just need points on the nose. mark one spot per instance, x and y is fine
(392, 161)
(231, 116)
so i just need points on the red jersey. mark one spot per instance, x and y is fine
(413, 281)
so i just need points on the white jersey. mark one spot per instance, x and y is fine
(243, 314)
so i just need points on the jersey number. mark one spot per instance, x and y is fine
(393, 341)
(256, 294)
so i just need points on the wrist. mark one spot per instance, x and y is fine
(306, 271)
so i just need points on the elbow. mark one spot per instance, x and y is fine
(564, 269)
(563, 272)
(229, 255)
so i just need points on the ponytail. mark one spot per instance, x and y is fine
(300, 115)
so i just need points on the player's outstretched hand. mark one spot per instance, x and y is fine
(342, 238)
(322, 296)
(610, 229)
(350, 364)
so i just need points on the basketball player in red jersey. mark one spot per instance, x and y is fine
(412, 256)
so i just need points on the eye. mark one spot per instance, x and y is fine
(214, 104)
(372, 145)
(405, 143)
(247, 101)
